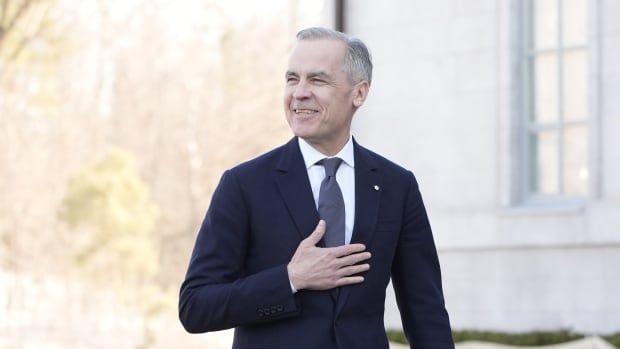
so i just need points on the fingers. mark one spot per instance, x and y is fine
(349, 280)
(346, 250)
(317, 234)
(325, 268)
(352, 259)
(353, 269)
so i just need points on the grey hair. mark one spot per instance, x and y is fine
(357, 61)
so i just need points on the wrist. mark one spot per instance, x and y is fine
(295, 282)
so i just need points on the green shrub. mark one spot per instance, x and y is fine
(397, 336)
(518, 339)
(613, 339)
(523, 339)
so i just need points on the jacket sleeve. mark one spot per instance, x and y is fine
(216, 293)
(416, 278)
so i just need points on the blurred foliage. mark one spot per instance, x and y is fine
(28, 31)
(33, 41)
(613, 339)
(117, 242)
(518, 339)
(524, 339)
(113, 203)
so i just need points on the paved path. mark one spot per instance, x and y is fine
(586, 343)
(223, 340)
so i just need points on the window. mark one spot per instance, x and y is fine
(555, 100)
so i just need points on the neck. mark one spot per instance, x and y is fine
(329, 149)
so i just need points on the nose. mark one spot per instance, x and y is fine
(301, 91)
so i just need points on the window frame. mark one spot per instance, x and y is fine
(526, 125)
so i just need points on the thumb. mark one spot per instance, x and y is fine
(317, 234)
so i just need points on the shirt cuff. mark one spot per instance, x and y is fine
(292, 287)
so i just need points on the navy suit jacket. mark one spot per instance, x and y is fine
(260, 212)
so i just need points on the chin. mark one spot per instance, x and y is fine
(302, 131)
(304, 135)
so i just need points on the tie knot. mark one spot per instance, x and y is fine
(331, 166)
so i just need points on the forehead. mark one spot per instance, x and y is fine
(317, 54)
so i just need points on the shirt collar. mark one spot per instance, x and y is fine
(311, 155)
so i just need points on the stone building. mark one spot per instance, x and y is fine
(508, 112)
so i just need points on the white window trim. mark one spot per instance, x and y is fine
(521, 198)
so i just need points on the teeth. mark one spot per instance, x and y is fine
(304, 111)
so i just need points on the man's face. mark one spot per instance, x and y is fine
(319, 99)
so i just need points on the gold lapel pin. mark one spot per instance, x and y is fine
(376, 187)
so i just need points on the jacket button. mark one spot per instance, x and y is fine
(338, 323)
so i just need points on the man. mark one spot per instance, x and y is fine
(298, 245)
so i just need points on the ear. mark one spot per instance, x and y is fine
(360, 92)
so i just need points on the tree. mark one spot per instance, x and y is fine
(113, 204)
(22, 23)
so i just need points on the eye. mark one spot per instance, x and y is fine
(291, 79)
(319, 81)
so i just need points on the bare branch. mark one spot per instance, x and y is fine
(17, 16)
(43, 24)
(5, 6)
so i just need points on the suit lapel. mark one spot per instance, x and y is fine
(367, 197)
(367, 194)
(294, 185)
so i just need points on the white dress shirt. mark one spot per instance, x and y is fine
(345, 176)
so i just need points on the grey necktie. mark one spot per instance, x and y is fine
(331, 204)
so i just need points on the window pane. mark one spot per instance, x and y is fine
(545, 164)
(545, 89)
(575, 158)
(575, 85)
(574, 22)
(545, 23)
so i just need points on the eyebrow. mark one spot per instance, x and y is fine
(320, 75)
(317, 74)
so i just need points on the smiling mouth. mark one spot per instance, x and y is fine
(305, 111)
